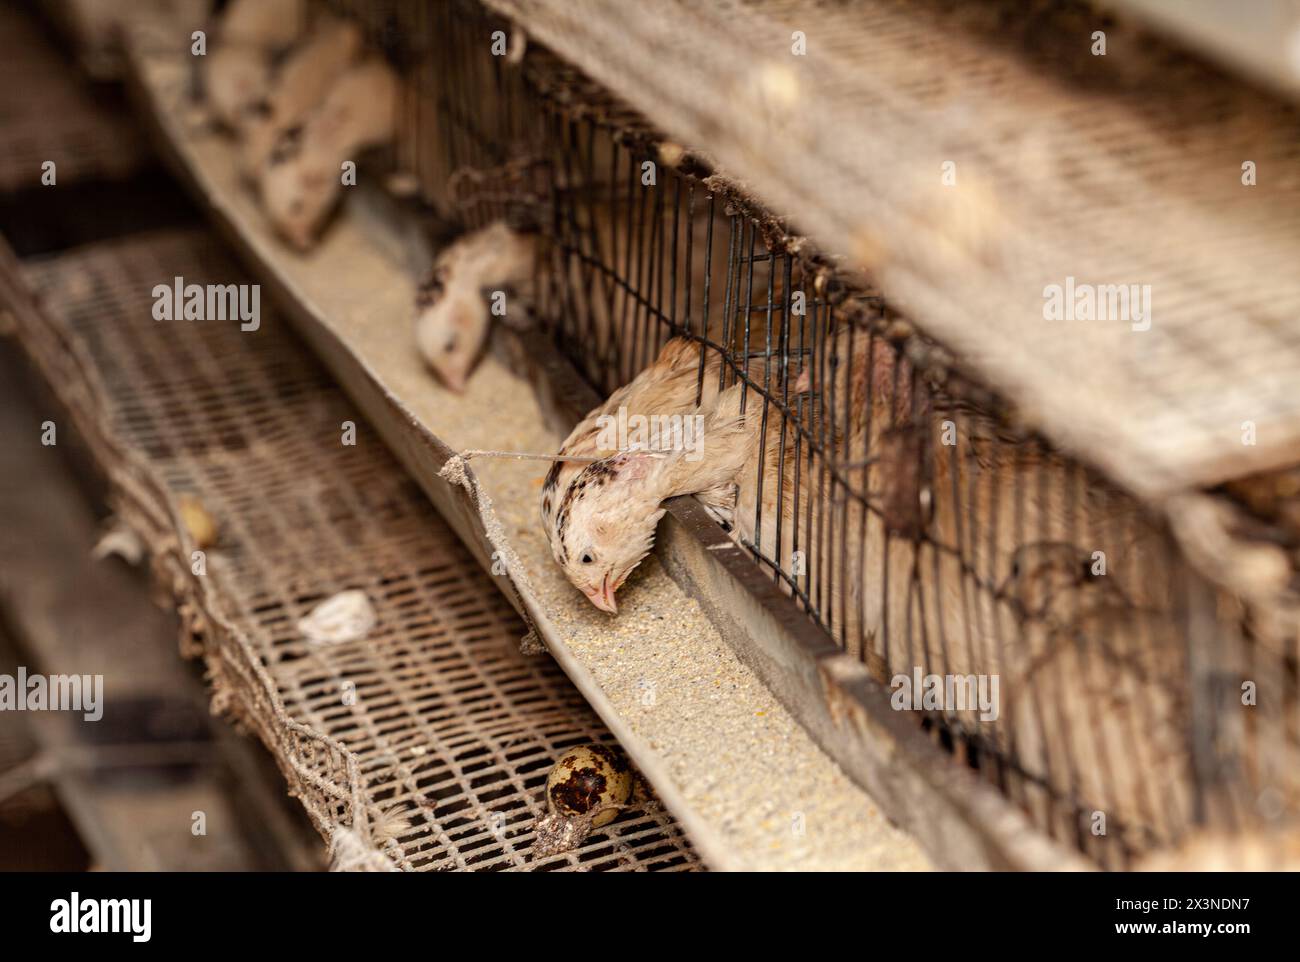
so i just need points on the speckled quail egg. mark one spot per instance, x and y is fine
(592, 781)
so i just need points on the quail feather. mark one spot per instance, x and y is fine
(454, 302)
(300, 85)
(302, 177)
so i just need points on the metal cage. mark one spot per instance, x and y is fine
(896, 500)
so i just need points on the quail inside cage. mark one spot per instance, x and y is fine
(1035, 613)
(710, 404)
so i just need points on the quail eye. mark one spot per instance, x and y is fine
(450, 345)
(587, 558)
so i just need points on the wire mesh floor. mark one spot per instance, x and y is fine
(49, 114)
(444, 730)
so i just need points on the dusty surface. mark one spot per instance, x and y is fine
(752, 779)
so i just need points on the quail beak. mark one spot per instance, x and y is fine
(454, 382)
(603, 597)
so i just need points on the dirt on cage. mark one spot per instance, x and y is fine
(423, 745)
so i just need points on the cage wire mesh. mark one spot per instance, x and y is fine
(50, 115)
(895, 499)
(1072, 164)
(432, 736)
